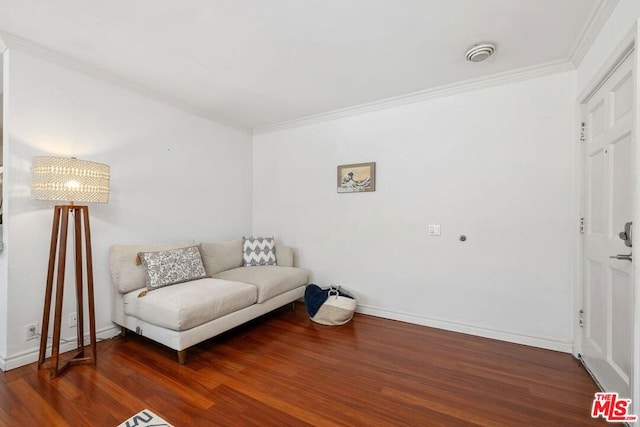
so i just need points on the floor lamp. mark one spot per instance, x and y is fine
(70, 180)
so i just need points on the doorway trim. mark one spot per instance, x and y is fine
(627, 47)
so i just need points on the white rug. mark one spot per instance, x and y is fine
(145, 418)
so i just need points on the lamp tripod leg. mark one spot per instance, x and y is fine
(57, 264)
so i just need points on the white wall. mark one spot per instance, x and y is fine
(173, 176)
(494, 165)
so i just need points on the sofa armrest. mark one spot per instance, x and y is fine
(284, 256)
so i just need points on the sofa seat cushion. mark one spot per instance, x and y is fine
(189, 304)
(270, 280)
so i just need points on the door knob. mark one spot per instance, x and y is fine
(626, 234)
(622, 257)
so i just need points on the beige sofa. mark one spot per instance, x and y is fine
(182, 315)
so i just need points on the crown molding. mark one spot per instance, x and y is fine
(599, 16)
(498, 79)
(58, 58)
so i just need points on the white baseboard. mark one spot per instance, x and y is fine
(540, 342)
(30, 356)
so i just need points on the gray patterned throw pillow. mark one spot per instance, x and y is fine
(173, 266)
(259, 251)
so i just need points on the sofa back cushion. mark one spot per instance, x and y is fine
(128, 275)
(285, 255)
(221, 256)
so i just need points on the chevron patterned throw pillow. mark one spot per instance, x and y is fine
(259, 251)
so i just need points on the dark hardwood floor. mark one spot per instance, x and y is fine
(285, 370)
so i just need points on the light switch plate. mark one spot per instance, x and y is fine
(434, 230)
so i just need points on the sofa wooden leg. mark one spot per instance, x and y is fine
(293, 306)
(123, 331)
(182, 356)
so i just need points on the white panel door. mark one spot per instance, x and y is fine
(607, 339)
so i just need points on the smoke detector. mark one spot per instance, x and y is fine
(480, 52)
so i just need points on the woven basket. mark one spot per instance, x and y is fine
(337, 309)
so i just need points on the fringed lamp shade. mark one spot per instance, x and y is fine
(69, 179)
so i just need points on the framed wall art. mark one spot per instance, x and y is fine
(357, 178)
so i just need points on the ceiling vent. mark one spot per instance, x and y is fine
(480, 52)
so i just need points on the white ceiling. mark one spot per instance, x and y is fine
(257, 63)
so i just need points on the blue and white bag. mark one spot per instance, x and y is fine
(329, 306)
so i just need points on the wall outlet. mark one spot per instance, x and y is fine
(433, 230)
(31, 331)
(73, 320)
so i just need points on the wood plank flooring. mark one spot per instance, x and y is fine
(284, 370)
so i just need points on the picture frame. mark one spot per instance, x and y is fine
(357, 178)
